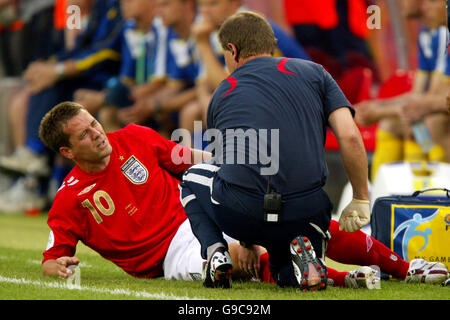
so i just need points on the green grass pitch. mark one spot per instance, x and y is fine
(23, 238)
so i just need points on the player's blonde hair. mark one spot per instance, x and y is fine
(51, 129)
(250, 32)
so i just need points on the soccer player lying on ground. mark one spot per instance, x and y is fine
(122, 201)
(121, 198)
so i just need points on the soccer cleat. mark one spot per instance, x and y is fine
(446, 283)
(364, 277)
(24, 161)
(217, 272)
(310, 272)
(422, 271)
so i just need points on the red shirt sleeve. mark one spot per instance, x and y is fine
(64, 232)
(171, 155)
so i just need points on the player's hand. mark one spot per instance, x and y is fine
(64, 263)
(248, 260)
(355, 216)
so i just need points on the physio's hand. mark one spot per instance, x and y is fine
(63, 263)
(355, 216)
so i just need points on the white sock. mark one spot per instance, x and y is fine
(212, 248)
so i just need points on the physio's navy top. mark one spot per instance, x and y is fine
(293, 96)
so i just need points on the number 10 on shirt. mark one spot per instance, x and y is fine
(98, 195)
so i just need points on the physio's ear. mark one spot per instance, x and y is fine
(231, 48)
(234, 51)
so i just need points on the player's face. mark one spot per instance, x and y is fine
(170, 11)
(435, 13)
(216, 11)
(87, 138)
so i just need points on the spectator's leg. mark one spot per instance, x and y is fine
(389, 146)
(439, 126)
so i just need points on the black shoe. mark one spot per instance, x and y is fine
(218, 270)
(310, 272)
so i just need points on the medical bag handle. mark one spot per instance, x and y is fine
(416, 193)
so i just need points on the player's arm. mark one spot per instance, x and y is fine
(199, 156)
(59, 267)
(172, 156)
(196, 156)
(63, 238)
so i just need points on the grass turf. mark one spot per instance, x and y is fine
(23, 238)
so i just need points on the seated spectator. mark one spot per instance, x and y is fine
(27, 33)
(182, 69)
(143, 42)
(395, 140)
(212, 68)
(433, 109)
(92, 61)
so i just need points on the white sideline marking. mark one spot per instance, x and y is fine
(59, 285)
